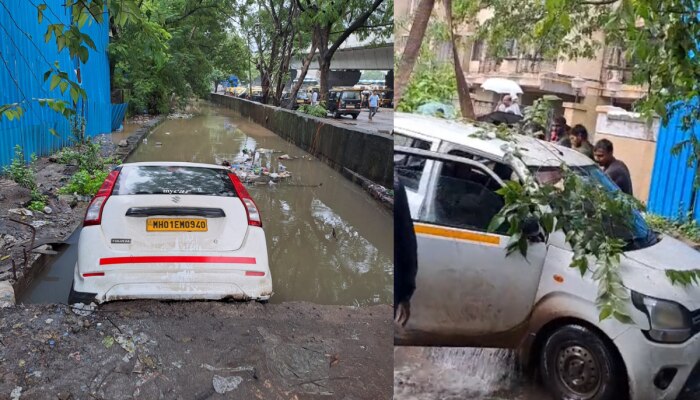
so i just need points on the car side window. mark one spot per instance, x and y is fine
(464, 197)
(409, 168)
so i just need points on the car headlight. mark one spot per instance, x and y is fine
(670, 322)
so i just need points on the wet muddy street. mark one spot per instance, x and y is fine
(328, 241)
(422, 373)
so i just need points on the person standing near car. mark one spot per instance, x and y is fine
(373, 104)
(615, 169)
(579, 141)
(314, 98)
(405, 255)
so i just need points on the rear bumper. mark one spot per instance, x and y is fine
(103, 274)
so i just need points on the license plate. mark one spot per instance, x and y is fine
(351, 106)
(176, 225)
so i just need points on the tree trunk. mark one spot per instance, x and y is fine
(304, 70)
(465, 99)
(216, 86)
(325, 72)
(324, 63)
(412, 49)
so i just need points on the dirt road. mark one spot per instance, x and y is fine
(196, 350)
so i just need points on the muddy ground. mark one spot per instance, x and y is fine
(197, 350)
(63, 215)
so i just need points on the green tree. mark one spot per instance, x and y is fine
(331, 23)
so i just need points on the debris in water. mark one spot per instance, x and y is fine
(158, 144)
(284, 157)
(180, 116)
(52, 343)
(167, 133)
(226, 384)
(16, 393)
(47, 210)
(48, 321)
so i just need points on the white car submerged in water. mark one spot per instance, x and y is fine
(469, 293)
(166, 230)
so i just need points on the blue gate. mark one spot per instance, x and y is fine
(672, 193)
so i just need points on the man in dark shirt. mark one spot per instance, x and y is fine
(578, 138)
(615, 169)
(405, 255)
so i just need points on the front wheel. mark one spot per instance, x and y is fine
(577, 364)
(354, 116)
(336, 114)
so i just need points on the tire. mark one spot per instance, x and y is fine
(336, 114)
(354, 116)
(577, 364)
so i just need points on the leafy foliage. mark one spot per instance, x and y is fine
(685, 226)
(597, 223)
(314, 110)
(85, 183)
(19, 171)
(591, 231)
(659, 39)
(24, 175)
(37, 205)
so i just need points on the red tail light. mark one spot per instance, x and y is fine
(254, 273)
(250, 208)
(93, 216)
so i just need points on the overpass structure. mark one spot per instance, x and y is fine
(355, 54)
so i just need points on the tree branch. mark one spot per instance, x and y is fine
(352, 28)
(189, 13)
(598, 3)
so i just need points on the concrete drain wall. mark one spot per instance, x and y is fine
(366, 153)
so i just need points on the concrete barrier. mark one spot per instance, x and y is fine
(366, 153)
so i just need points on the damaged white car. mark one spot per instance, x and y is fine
(469, 293)
(160, 230)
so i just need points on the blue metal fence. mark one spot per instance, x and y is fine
(25, 57)
(118, 113)
(672, 193)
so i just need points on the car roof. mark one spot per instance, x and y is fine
(172, 164)
(535, 153)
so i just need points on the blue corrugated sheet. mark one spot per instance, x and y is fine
(672, 193)
(25, 59)
(118, 113)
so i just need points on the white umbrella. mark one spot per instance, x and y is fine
(502, 86)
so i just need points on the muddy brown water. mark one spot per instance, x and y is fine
(328, 241)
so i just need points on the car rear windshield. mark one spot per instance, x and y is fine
(173, 180)
(351, 96)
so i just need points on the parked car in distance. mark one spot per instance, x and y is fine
(344, 101)
(171, 230)
(469, 293)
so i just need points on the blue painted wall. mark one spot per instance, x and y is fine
(672, 193)
(25, 57)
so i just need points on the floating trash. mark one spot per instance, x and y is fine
(180, 116)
